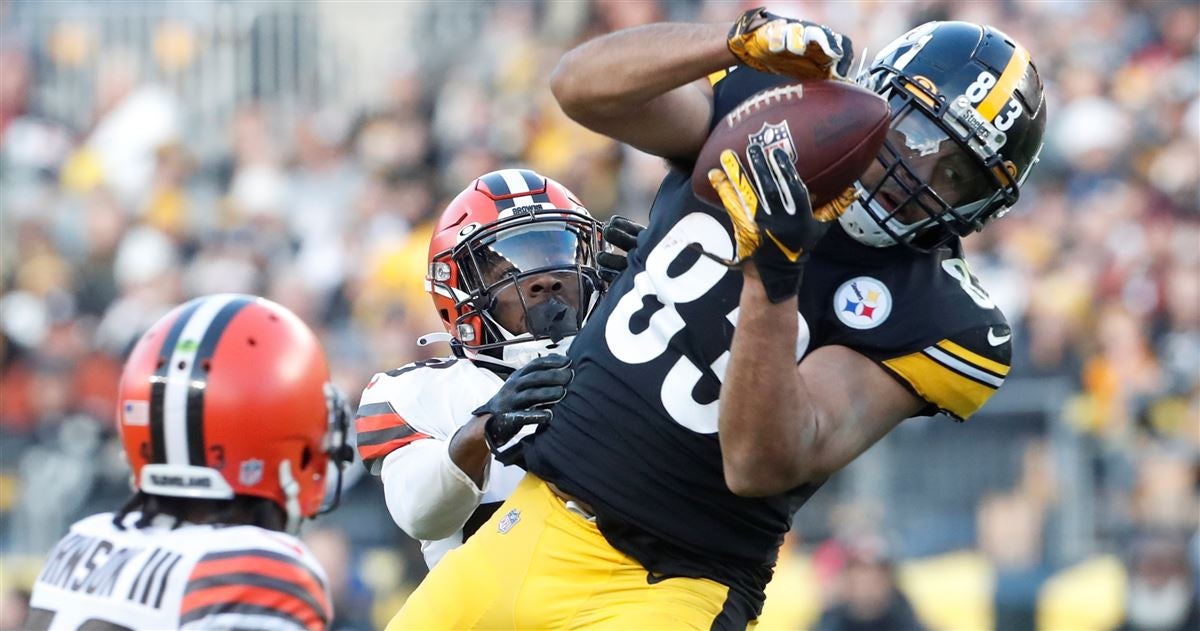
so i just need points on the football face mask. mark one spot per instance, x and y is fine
(925, 177)
(534, 282)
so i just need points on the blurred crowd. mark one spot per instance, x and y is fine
(129, 206)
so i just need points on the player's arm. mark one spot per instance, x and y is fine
(641, 85)
(783, 424)
(254, 588)
(432, 482)
(646, 86)
(428, 494)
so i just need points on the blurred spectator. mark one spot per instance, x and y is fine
(351, 606)
(1161, 594)
(300, 150)
(867, 597)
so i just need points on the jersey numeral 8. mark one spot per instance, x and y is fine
(655, 285)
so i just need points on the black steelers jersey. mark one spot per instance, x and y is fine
(636, 437)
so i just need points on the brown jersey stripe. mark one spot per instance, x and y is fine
(259, 553)
(372, 452)
(270, 568)
(264, 588)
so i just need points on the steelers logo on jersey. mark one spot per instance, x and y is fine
(862, 303)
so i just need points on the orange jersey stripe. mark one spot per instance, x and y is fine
(281, 570)
(252, 595)
(379, 421)
(378, 451)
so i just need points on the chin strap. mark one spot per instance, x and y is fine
(291, 491)
(434, 338)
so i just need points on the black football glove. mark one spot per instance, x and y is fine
(523, 402)
(772, 216)
(622, 234)
(796, 48)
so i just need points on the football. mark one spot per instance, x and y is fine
(831, 129)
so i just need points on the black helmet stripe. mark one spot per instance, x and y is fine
(205, 323)
(158, 384)
(498, 187)
(536, 182)
(198, 384)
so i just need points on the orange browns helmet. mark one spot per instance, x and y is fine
(506, 226)
(229, 395)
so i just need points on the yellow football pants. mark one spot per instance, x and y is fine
(537, 565)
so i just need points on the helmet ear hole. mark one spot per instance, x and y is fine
(306, 457)
(445, 313)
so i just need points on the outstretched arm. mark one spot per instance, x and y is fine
(645, 86)
(641, 85)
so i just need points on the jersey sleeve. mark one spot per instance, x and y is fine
(381, 430)
(254, 588)
(427, 495)
(958, 374)
(379, 425)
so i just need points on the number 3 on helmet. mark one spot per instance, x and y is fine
(229, 395)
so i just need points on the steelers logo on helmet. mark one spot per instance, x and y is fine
(862, 303)
(968, 115)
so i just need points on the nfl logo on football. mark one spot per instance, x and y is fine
(771, 137)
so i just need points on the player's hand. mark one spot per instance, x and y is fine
(771, 43)
(620, 233)
(772, 216)
(523, 402)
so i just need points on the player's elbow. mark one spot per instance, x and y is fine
(568, 91)
(771, 467)
(576, 92)
(422, 523)
(761, 473)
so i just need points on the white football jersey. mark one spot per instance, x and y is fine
(405, 420)
(105, 578)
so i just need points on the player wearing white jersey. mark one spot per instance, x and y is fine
(101, 576)
(230, 426)
(513, 275)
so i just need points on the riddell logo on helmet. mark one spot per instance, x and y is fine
(180, 481)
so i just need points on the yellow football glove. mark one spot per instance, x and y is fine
(796, 48)
(772, 216)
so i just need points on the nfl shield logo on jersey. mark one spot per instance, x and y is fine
(508, 521)
(251, 472)
(862, 303)
(772, 137)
